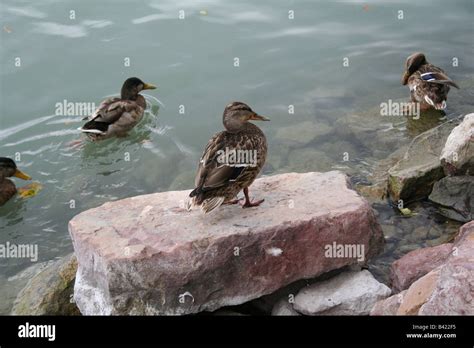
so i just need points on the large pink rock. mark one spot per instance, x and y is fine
(446, 290)
(418, 293)
(388, 306)
(416, 264)
(454, 291)
(148, 255)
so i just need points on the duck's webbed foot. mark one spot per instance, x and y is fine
(248, 203)
(76, 144)
(234, 201)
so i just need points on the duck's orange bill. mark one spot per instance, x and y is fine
(21, 175)
(258, 117)
(149, 86)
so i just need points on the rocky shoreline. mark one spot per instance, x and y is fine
(146, 255)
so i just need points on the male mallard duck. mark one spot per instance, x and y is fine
(231, 160)
(429, 85)
(7, 187)
(116, 116)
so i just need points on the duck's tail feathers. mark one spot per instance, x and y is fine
(92, 131)
(210, 204)
(190, 204)
(446, 82)
(95, 127)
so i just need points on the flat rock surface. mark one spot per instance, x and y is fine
(148, 255)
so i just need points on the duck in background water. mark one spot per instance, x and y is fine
(117, 116)
(429, 85)
(8, 169)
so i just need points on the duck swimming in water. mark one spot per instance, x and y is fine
(116, 116)
(231, 160)
(8, 169)
(429, 85)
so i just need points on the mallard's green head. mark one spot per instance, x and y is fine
(132, 86)
(8, 168)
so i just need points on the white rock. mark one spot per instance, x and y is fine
(459, 147)
(284, 308)
(349, 293)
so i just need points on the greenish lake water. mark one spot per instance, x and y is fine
(283, 62)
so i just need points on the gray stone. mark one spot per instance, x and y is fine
(349, 293)
(455, 195)
(50, 291)
(414, 175)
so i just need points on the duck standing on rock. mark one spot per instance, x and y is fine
(429, 85)
(7, 187)
(231, 160)
(116, 116)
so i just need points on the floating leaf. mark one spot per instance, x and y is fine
(407, 212)
(30, 190)
(203, 13)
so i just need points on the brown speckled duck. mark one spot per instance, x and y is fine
(429, 85)
(116, 116)
(231, 160)
(7, 187)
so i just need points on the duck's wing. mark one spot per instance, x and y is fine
(109, 112)
(439, 78)
(102, 109)
(433, 74)
(212, 171)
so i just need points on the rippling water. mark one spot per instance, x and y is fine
(282, 62)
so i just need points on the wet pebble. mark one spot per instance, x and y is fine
(420, 233)
(403, 249)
